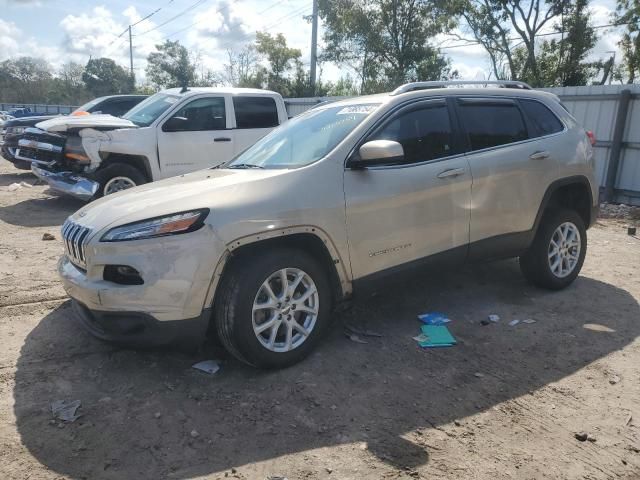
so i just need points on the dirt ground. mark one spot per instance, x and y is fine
(504, 403)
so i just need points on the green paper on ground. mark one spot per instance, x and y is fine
(437, 336)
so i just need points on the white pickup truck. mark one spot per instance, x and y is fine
(170, 133)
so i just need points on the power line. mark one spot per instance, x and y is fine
(186, 10)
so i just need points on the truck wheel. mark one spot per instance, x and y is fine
(117, 177)
(273, 308)
(556, 256)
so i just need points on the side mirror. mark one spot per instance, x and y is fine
(175, 124)
(377, 152)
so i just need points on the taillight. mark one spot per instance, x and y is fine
(592, 137)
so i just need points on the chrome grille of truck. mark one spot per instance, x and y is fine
(75, 238)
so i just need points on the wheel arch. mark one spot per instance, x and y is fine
(138, 161)
(310, 239)
(571, 192)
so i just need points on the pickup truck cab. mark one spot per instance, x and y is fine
(171, 133)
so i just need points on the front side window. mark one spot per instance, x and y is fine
(305, 138)
(255, 112)
(425, 134)
(198, 115)
(543, 120)
(149, 110)
(490, 124)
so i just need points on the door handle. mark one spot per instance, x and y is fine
(222, 139)
(539, 155)
(452, 172)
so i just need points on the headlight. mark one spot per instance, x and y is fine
(16, 130)
(182, 222)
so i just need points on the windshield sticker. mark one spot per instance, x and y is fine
(171, 100)
(363, 109)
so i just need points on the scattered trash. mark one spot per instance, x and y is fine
(478, 375)
(194, 434)
(421, 338)
(529, 321)
(631, 231)
(614, 379)
(591, 438)
(437, 336)
(65, 410)
(276, 477)
(207, 366)
(354, 337)
(513, 323)
(48, 236)
(14, 186)
(629, 418)
(582, 436)
(157, 415)
(25, 184)
(494, 318)
(457, 423)
(484, 322)
(434, 318)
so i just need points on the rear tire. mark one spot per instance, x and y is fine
(117, 177)
(557, 253)
(245, 324)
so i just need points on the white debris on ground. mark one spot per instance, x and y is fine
(621, 211)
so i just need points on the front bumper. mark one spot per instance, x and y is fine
(68, 183)
(141, 330)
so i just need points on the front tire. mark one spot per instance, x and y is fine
(555, 258)
(117, 177)
(273, 308)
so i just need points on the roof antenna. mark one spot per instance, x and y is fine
(185, 88)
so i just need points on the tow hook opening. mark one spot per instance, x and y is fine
(122, 275)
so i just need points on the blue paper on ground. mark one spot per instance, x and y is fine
(437, 336)
(434, 318)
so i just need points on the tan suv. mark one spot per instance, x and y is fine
(260, 249)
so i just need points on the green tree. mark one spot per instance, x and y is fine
(281, 60)
(25, 80)
(102, 76)
(561, 62)
(628, 12)
(386, 41)
(170, 66)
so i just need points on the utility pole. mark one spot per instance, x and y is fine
(130, 52)
(314, 47)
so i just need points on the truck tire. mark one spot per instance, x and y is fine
(557, 253)
(116, 177)
(268, 326)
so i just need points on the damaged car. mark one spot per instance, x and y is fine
(170, 133)
(13, 130)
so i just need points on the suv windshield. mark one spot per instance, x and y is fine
(87, 106)
(147, 111)
(304, 139)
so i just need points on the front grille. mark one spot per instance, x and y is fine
(38, 155)
(75, 239)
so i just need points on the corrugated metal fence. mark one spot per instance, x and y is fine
(39, 108)
(612, 115)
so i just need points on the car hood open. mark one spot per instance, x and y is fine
(98, 122)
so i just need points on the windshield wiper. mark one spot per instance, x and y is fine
(245, 165)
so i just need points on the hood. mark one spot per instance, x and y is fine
(98, 122)
(28, 121)
(201, 189)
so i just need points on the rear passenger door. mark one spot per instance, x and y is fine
(255, 116)
(511, 166)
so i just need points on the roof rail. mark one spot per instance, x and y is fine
(410, 87)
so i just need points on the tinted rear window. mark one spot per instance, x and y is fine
(543, 119)
(255, 112)
(492, 124)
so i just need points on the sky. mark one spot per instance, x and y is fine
(74, 30)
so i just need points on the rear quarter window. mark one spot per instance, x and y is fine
(255, 112)
(542, 118)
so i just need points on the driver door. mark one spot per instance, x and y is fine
(197, 135)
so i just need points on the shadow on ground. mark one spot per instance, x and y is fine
(40, 212)
(140, 407)
(17, 176)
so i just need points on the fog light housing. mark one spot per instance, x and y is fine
(122, 274)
